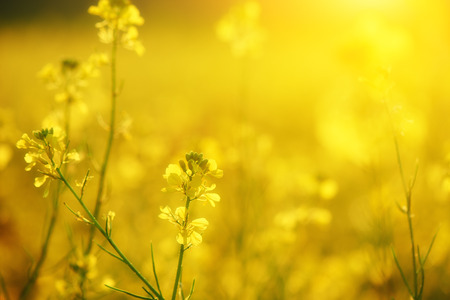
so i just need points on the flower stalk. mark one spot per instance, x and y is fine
(107, 236)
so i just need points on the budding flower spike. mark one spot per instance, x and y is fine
(120, 19)
(47, 152)
(190, 178)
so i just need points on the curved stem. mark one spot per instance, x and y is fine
(44, 250)
(53, 218)
(97, 226)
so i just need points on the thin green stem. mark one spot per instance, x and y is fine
(154, 270)
(413, 253)
(112, 122)
(408, 194)
(44, 250)
(179, 268)
(108, 238)
(180, 256)
(53, 218)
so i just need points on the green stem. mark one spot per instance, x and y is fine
(44, 250)
(179, 268)
(55, 209)
(108, 238)
(112, 122)
(408, 192)
(413, 252)
(180, 256)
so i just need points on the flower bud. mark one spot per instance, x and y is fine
(190, 165)
(182, 165)
(203, 164)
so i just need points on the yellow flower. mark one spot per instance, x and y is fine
(47, 152)
(240, 27)
(120, 19)
(190, 233)
(84, 264)
(70, 77)
(190, 178)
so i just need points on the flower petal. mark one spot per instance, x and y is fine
(39, 181)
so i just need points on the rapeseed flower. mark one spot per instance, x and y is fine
(47, 152)
(190, 233)
(190, 178)
(241, 29)
(120, 19)
(69, 77)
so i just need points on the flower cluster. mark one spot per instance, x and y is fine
(120, 19)
(189, 233)
(240, 27)
(190, 179)
(70, 76)
(47, 152)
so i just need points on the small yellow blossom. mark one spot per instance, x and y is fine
(120, 19)
(190, 178)
(190, 233)
(240, 27)
(47, 152)
(70, 77)
(84, 264)
(109, 218)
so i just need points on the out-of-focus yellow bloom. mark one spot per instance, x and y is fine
(190, 233)
(328, 188)
(240, 27)
(84, 264)
(70, 77)
(290, 219)
(120, 19)
(46, 152)
(191, 178)
(5, 155)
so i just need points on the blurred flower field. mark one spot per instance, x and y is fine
(309, 108)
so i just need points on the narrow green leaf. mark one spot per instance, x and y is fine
(110, 253)
(401, 272)
(414, 177)
(154, 270)
(429, 248)
(192, 290)
(128, 293)
(147, 291)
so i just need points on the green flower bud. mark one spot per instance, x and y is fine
(203, 164)
(69, 64)
(190, 165)
(182, 165)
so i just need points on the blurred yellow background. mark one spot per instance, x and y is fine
(300, 128)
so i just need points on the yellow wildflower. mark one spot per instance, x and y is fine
(240, 27)
(190, 233)
(46, 152)
(190, 178)
(84, 264)
(70, 77)
(120, 19)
